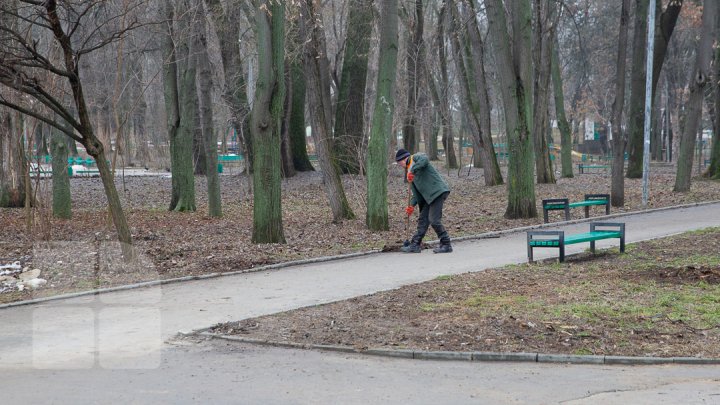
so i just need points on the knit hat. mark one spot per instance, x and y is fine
(401, 155)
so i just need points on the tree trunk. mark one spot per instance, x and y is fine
(441, 94)
(636, 114)
(516, 89)
(617, 186)
(544, 16)
(713, 170)
(61, 202)
(350, 108)
(700, 79)
(12, 175)
(469, 55)
(286, 158)
(381, 131)
(298, 144)
(414, 54)
(183, 193)
(265, 123)
(565, 135)
(234, 91)
(318, 76)
(204, 83)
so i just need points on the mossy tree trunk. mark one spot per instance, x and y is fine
(205, 85)
(636, 113)
(265, 122)
(61, 203)
(700, 79)
(563, 125)
(297, 126)
(350, 107)
(516, 90)
(317, 70)
(381, 131)
(617, 183)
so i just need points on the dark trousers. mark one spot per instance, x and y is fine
(431, 215)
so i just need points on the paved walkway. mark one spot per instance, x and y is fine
(111, 340)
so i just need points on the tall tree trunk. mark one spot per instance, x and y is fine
(204, 83)
(286, 157)
(181, 147)
(565, 135)
(713, 170)
(298, 144)
(544, 20)
(12, 176)
(636, 114)
(700, 79)
(265, 123)
(415, 50)
(317, 68)
(381, 131)
(617, 186)
(350, 108)
(469, 55)
(234, 91)
(664, 27)
(516, 89)
(61, 203)
(441, 94)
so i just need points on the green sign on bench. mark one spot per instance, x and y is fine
(558, 239)
(552, 204)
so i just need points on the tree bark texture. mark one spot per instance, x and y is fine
(471, 65)
(297, 133)
(442, 89)
(636, 113)
(234, 91)
(286, 157)
(544, 26)
(61, 202)
(381, 131)
(699, 80)
(617, 182)
(181, 147)
(317, 69)
(563, 125)
(713, 170)
(413, 58)
(265, 123)
(14, 166)
(205, 84)
(349, 130)
(516, 90)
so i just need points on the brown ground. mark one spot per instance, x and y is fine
(662, 298)
(180, 244)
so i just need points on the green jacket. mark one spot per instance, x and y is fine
(427, 184)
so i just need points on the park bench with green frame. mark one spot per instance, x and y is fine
(558, 239)
(583, 168)
(552, 204)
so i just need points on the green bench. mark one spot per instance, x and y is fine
(558, 239)
(564, 204)
(583, 168)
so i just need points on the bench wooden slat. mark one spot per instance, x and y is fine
(590, 236)
(586, 203)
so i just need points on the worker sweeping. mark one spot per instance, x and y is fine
(429, 191)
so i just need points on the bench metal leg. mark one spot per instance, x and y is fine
(530, 248)
(545, 215)
(587, 211)
(592, 246)
(607, 208)
(562, 251)
(567, 213)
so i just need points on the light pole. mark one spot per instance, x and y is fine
(648, 99)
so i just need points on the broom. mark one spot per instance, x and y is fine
(396, 246)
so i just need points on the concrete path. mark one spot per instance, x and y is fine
(117, 340)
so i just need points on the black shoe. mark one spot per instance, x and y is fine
(411, 248)
(443, 248)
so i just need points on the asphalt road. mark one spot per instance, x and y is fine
(114, 348)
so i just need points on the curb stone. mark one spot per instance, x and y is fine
(474, 356)
(486, 235)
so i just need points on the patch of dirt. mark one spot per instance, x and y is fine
(182, 244)
(609, 304)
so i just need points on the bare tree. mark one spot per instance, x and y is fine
(27, 67)
(617, 187)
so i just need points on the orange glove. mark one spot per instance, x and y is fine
(410, 177)
(409, 210)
